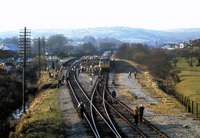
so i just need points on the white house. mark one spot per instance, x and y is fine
(183, 44)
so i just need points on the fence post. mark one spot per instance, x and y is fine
(185, 102)
(197, 110)
(192, 107)
(181, 99)
(189, 105)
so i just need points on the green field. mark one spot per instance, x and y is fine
(190, 80)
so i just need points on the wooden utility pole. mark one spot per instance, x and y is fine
(51, 51)
(39, 56)
(24, 72)
(24, 47)
(43, 45)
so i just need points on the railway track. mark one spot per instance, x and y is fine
(92, 114)
(107, 119)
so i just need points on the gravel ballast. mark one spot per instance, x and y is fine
(175, 123)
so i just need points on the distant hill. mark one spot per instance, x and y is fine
(125, 34)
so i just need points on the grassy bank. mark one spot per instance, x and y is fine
(188, 87)
(43, 118)
(189, 76)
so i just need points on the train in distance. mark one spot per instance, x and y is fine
(104, 63)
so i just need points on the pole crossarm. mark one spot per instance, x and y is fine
(24, 50)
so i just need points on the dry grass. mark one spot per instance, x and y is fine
(168, 105)
(43, 118)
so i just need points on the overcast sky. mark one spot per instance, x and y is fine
(74, 14)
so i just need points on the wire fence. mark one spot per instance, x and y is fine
(192, 106)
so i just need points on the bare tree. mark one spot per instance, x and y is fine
(188, 53)
(123, 51)
(57, 41)
(88, 48)
(196, 52)
(175, 56)
(158, 63)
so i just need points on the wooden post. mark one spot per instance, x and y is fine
(43, 45)
(24, 49)
(178, 97)
(24, 72)
(185, 102)
(181, 99)
(38, 56)
(189, 110)
(197, 110)
(192, 107)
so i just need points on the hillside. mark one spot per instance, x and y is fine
(125, 34)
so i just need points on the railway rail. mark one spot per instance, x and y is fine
(95, 119)
(107, 119)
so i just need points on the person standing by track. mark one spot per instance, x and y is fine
(91, 81)
(82, 106)
(141, 110)
(135, 74)
(129, 74)
(135, 113)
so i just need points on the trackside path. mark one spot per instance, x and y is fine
(73, 123)
(174, 122)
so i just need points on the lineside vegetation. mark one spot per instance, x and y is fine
(43, 118)
(176, 71)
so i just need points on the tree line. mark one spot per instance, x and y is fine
(161, 63)
(156, 60)
(58, 45)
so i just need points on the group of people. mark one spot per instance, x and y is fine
(138, 113)
(51, 75)
(129, 74)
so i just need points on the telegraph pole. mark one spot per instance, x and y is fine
(51, 51)
(24, 49)
(43, 45)
(39, 56)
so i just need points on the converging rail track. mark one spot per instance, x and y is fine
(97, 122)
(105, 118)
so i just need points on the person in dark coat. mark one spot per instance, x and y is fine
(59, 83)
(82, 106)
(141, 110)
(49, 74)
(63, 77)
(135, 74)
(129, 74)
(113, 83)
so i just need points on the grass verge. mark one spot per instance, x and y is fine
(43, 118)
(168, 105)
(189, 76)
